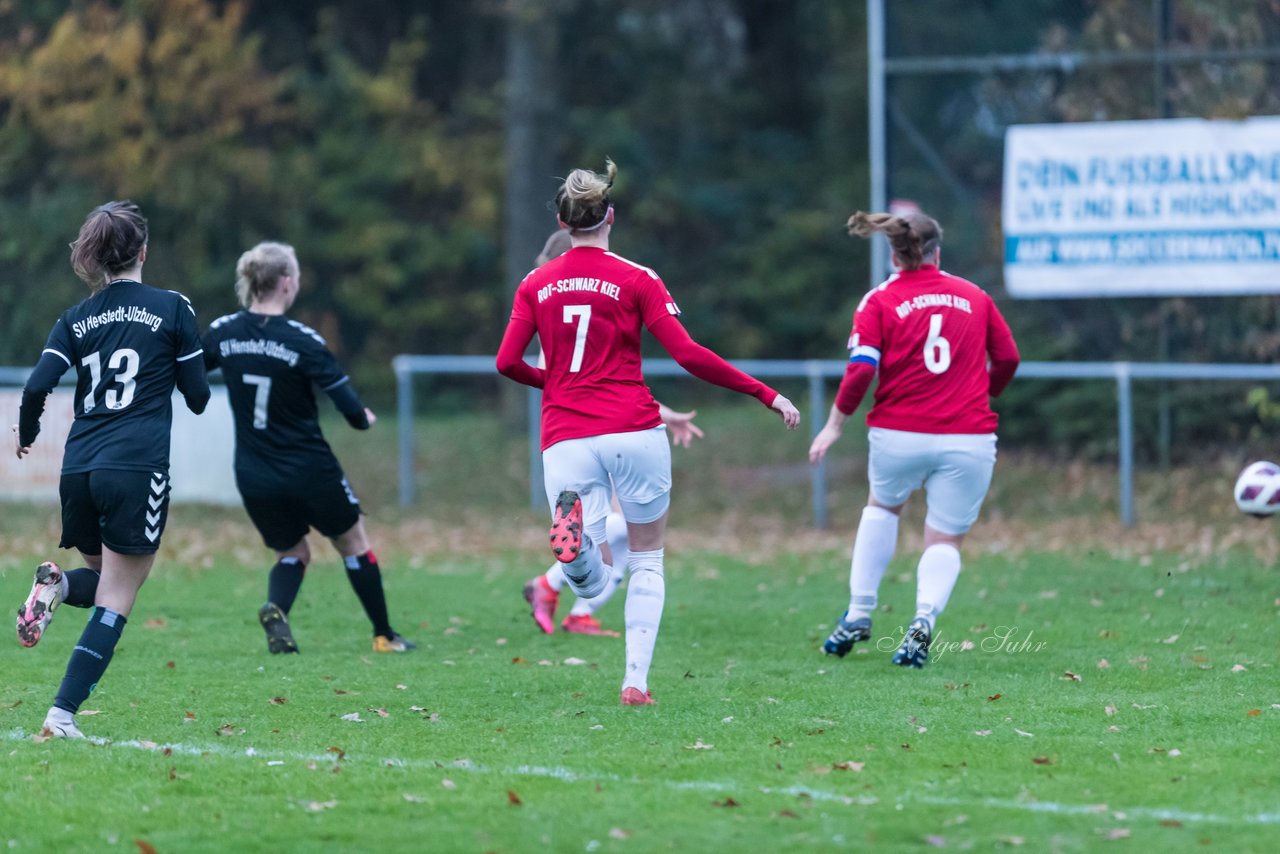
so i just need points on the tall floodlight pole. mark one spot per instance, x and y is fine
(876, 130)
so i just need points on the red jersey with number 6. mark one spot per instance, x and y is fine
(931, 335)
(589, 306)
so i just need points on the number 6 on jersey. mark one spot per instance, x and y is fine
(583, 314)
(937, 350)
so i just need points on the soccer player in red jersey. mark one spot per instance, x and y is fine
(600, 422)
(941, 350)
(543, 592)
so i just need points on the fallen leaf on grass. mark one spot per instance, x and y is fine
(1023, 733)
(727, 802)
(787, 814)
(983, 732)
(188, 717)
(849, 766)
(229, 730)
(86, 713)
(414, 799)
(1110, 709)
(354, 717)
(320, 806)
(1171, 639)
(1012, 840)
(1074, 677)
(1170, 822)
(519, 660)
(1103, 664)
(156, 623)
(43, 735)
(342, 754)
(575, 662)
(12, 705)
(1253, 713)
(698, 745)
(1238, 668)
(1042, 760)
(144, 846)
(382, 713)
(994, 697)
(513, 799)
(277, 701)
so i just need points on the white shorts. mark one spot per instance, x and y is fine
(638, 464)
(955, 470)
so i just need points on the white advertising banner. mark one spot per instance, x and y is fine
(1156, 208)
(201, 451)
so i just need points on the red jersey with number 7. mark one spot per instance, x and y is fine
(931, 335)
(589, 306)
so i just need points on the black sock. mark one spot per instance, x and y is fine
(90, 658)
(284, 582)
(366, 580)
(82, 587)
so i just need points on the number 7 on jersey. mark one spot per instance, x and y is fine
(583, 315)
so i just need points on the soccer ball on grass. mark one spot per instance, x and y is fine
(1258, 489)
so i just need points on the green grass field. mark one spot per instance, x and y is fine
(1091, 687)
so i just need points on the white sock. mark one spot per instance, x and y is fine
(616, 532)
(935, 579)
(591, 572)
(873, 548)
(646, 592)
(554, 576)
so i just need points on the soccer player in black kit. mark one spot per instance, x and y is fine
(287, 475)
(130, 345)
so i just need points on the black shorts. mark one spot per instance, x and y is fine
(124, 510)
(283, 517)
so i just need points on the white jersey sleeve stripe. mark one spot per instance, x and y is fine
(652, 274)
(56, 353)
(190, 355)
(335, 385)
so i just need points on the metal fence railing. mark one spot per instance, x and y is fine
(817, 372)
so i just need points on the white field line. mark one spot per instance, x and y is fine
(568, 775)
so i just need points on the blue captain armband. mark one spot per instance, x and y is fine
(865, 354)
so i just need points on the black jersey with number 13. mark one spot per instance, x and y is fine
(270, 364)
(126, 342)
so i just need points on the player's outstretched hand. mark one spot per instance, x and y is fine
(825, 439)
(680, 425)
(22, 451)
(368, 413)
(785, 408)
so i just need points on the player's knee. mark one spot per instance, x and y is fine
(300, 552)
